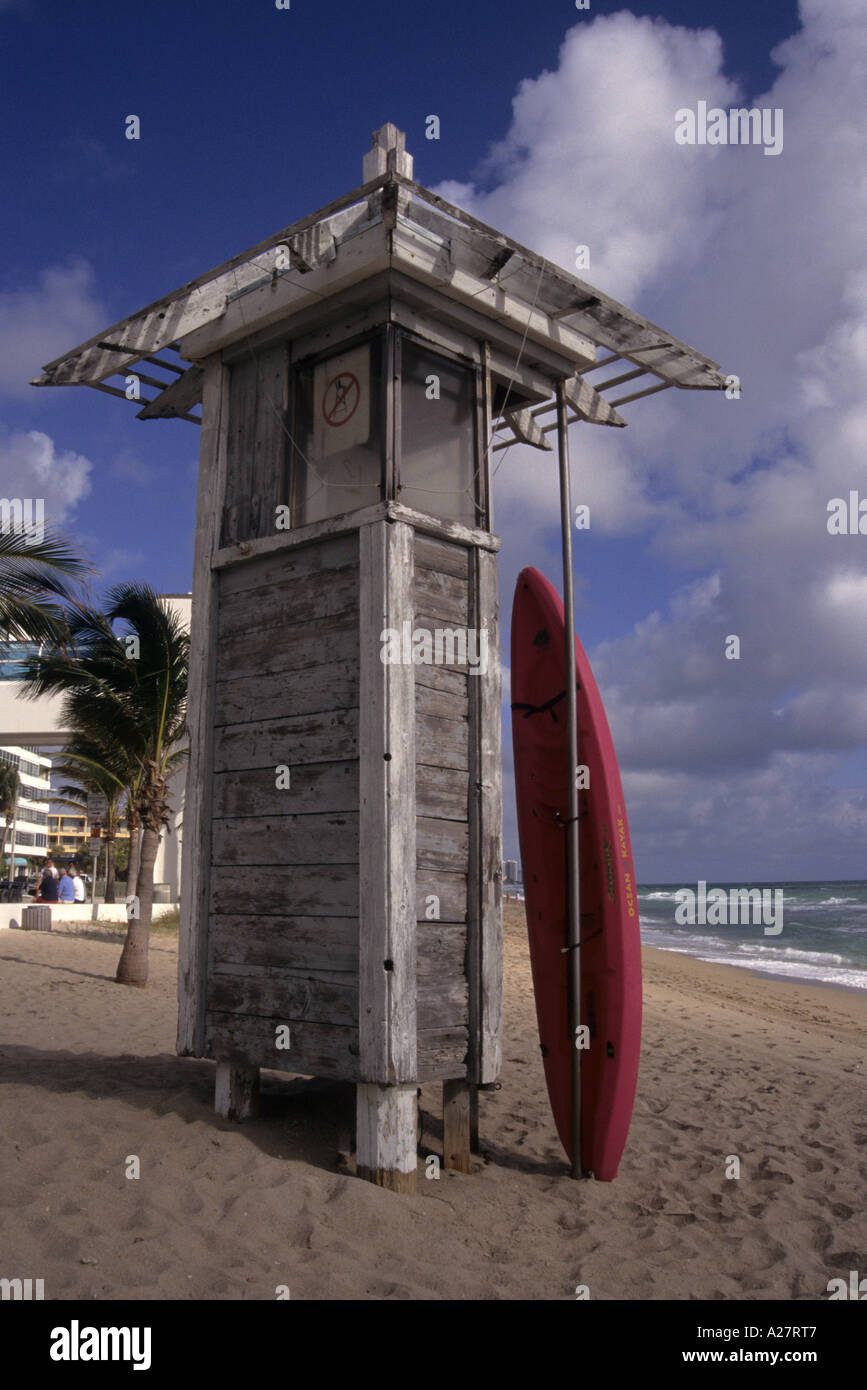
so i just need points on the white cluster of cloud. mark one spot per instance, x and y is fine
(762, 263)
(31, 466)
(41, 322)
(37, 324)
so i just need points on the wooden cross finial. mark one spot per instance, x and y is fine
(388, 153)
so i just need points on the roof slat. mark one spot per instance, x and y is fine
(113, 391)
(619, 380)
(639, 395)
(177, 399)
(157, 361)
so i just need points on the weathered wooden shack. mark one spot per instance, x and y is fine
(341, 911)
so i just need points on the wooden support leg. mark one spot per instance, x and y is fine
(236, 1095)
(456, 1125)
(344, 1092)
(474, 1119)
(386, 1135)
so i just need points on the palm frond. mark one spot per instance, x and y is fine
(32, 577)
(53, 551)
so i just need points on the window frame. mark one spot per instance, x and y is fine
(391, 333)
(380, 333)
(468, 362)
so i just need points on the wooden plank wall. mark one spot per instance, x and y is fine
(256, 446)
(441, 599)
(387, 861)
(286, 691)
(287, 694)
(196, 878)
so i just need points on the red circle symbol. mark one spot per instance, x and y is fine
(340, 400)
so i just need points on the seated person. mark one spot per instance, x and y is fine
(77, 882)
(47, 889)
(66, 889)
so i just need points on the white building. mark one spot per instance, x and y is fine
(28, 725)
(29, 835)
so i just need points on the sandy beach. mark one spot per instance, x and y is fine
(732, 1064)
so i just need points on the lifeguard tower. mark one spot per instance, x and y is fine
(357, 372)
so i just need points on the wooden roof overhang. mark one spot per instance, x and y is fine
(393, 226)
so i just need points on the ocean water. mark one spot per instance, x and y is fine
(823, 940)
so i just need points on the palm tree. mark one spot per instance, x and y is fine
(32, 578)
(97, 769)
(133, 704)
(34, 573)
(103, 765)
(9, 788)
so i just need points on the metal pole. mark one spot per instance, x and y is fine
(14, 829)
(573, 882)
(94, 910)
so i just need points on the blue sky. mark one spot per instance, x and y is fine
(704, 521)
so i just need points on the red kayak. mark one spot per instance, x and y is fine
(610, 941)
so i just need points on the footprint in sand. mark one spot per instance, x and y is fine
(817, 1144)
(823, 1236)
(139, 1219)
(841, 1211)
(839, 1260)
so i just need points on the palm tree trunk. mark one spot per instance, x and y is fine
(109, 868)
(132, 868)
(5, 838)
(132, 967)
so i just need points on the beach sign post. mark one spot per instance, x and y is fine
(354, 376)
(96, 810)
(95, 847)
(97, 807)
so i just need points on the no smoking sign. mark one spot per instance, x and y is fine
(341, 398)
(341, 389)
